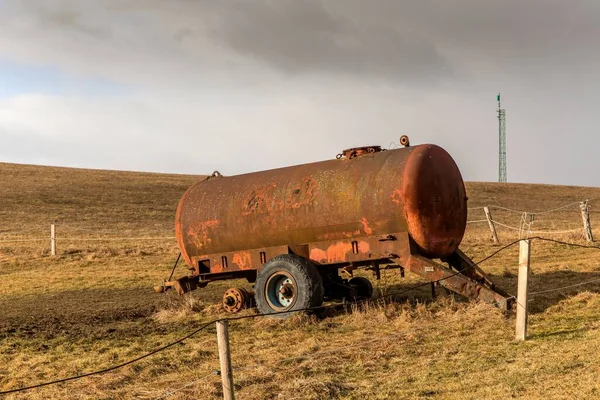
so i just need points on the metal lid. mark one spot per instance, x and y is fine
(358, 151)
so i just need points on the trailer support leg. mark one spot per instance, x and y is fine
(466, 283)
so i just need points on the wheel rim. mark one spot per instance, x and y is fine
(281, 291)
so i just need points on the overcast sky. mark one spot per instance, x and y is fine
(194, 86)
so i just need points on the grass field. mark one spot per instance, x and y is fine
(93, 306)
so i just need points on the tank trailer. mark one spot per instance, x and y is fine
(298, 233)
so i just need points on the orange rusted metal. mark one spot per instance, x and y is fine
(237, 299)
(358, 151)
(418, 190)
(366, 207)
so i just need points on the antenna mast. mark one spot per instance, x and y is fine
(502, 142)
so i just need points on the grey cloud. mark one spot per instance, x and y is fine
(411, 42)
(68, 17)
(294, 37)
(427, 39)
(314, 37)
(266, 83)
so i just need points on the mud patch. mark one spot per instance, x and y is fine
(77, 312)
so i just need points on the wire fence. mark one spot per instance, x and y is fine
(529, 223)
(243, 317)
(93, 239)
(351, 347)
(524, 231)
(66, 239)
(514, 228)
(171, 392)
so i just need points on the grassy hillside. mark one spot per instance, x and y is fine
(87, 201)
(93, 306)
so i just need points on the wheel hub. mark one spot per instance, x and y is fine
(281, 291)
(287, 291)
(236, 299)
(229, 300)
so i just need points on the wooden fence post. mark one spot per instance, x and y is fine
(585, 215)
(488, 215)
(225, 359)
(522, 291)
(52, 239)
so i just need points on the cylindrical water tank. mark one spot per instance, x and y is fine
(417, 189)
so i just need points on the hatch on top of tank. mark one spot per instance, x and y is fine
(358, 151)
(354, 152)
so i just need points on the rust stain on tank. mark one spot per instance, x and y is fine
(337, 252)
(217, 268)
(397, 196)
(310, 188)
(366, 228)
(304, 194)
(333, 253)
(259, 199)
(337, 235)
(193, 237)
(202, 236)
(363, 247)
(254, 203)
(243, 260)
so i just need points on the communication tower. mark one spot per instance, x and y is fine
(502, 142)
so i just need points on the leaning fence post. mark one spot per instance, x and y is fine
(585, 215)
(490, 221)
(225, 359)
(52, 239)
(522, 291)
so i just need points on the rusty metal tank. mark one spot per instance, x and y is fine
(363, 192)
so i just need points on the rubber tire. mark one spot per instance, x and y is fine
(364, 287)
(309, 284)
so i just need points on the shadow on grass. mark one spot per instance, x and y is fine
(549, 288)
(559, 333)
(556, 285)
(101, 311)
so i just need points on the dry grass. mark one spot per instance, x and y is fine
(93, 306)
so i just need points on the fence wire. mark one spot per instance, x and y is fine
(206, 325)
